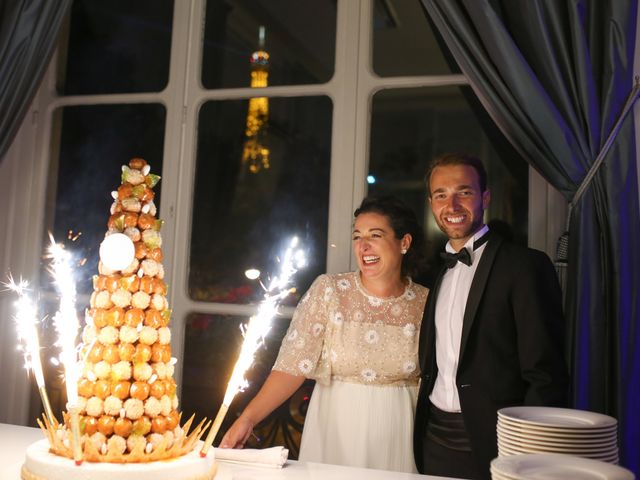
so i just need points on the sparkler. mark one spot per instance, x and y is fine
(67, 325)
(254, 333)
(27, 327)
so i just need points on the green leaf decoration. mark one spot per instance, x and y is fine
(151, 180)
(166, 315)
(138, 191)
(119, 223)
(125, 174)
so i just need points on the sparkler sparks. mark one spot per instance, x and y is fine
(26, 320)
(66, 319)
(27, 327)
(256, 330)
(67, 325)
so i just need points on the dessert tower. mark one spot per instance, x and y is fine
(127, 394)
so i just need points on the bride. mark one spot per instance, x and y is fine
(356, 335)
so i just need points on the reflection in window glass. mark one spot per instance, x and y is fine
(411, 126)
(212, 344)
(117, 46)
(256, 187)
(298, 37)
(404, 42)
(95, 141)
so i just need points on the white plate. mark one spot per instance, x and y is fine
(561, 467)
(571, 436)
(507, 451)
(610, 440)
(558, 417)
(528, 449)
(564, 430)
(511, 437)
(573, 450)
(519, 448)
(601, 454)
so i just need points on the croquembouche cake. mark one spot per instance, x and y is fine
(129, 416)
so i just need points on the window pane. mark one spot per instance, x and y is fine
(244, 212)
(299, 38)
(404, 42)
(212, 344)
(95, 141)
(117, 46)
(411, 126)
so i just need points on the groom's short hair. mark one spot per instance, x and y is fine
(457, 159)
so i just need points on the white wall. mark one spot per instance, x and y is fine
(22, 187)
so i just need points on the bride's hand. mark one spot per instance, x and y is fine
(238, 434)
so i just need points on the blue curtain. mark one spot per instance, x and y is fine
(28, 32)
(554, 76)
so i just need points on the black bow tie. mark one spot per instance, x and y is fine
(463, 256)
(450, 259)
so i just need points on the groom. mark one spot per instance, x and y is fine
(492, 331)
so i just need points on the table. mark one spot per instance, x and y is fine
(15, 439)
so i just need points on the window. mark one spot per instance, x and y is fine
(119, 47)
(94, 141)
(410, 126)
(298, 38)
(265, 118)
(403, 41)
(243, 212)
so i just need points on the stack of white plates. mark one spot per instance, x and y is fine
(551, 466)
(557, 430)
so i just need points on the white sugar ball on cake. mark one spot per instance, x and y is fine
(117, 251)
(108, 335)
(134, 408)
(165, 405)
(142, 371)
(102, 369)
(152, 407)
(94, 407)
(140, 300)
(121, 370)
(128, 334)
(116, 445)
(160, 369)
(101, 299)
(112, 405)
(148, 335)
(159, 302)
(164, 335)
(121, 298)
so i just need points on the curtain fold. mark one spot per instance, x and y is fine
(28, 32)
(554, 77)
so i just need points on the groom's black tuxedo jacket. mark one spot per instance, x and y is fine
(511, 345)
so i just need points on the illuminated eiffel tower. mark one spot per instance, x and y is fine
(255, 154)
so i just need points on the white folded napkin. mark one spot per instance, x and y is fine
(274, 457)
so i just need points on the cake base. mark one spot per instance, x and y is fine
(41, 464)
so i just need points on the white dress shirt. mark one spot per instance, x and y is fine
(450, 306)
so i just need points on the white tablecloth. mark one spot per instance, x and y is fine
(15, 439)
